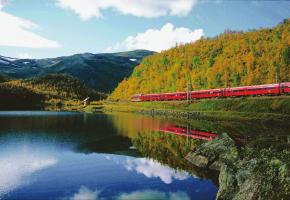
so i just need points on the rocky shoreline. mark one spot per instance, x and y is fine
(247, 172)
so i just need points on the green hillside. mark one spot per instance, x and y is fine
(36, 91)
(230, 59)
(17, 97)
(101, 72)
(4, 78)
(61, 86)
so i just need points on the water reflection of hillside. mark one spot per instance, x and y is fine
(129, 124)
(134, 135)
(149, 136)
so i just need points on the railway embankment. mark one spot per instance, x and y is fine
(248, 171)
(252, 108)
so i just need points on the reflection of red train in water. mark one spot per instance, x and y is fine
(255, 90)
(190, 133)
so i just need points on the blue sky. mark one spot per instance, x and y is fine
(50, 28)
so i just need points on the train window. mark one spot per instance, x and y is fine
(254, 89)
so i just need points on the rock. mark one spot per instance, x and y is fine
(223, 148)
(227, 182)
(246, 173)
(249, 190)
(197, 160)
(216, 165)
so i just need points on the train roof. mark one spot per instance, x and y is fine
(257, 86)
(208, 90)
(168, 93)
(286, 83)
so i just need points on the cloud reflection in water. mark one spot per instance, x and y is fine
(17, 165)
(153, 195)
(85, 193)
(151, 168)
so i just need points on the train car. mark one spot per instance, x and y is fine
(285, 88)
(174, 96)
(136, 98)
(200, 94)
(255, 90)
(150, 97)
(164, 96)
(268, 89)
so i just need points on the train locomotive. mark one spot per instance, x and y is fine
(244, 91)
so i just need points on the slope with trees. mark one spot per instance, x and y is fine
(35, 92)
(230, 59)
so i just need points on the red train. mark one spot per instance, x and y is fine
(255, 90)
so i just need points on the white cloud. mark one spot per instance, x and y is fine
(158, 40)
(151, 168)
(18, 165)
(87, 9)
(24, 56)
(85, 194)
(16, 32)
(153, 194)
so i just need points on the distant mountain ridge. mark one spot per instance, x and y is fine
(101, 72)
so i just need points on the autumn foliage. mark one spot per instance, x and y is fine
(230, 59)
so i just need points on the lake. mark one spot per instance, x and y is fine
(70, 155)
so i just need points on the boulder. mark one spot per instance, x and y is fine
(246, 173)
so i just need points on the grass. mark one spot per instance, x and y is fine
(270, 108)
(252, 108)
(73, 105)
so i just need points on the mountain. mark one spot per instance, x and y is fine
(101, 72)
(230, 59)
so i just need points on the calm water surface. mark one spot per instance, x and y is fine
(63, 155)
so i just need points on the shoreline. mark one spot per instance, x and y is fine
(264, 109)
(252, 108)
(208, 115)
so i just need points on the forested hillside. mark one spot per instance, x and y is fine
(230, 59)
(17, 97)
(4, 78)
(34, 92)
(60, 86)
(101, 72)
